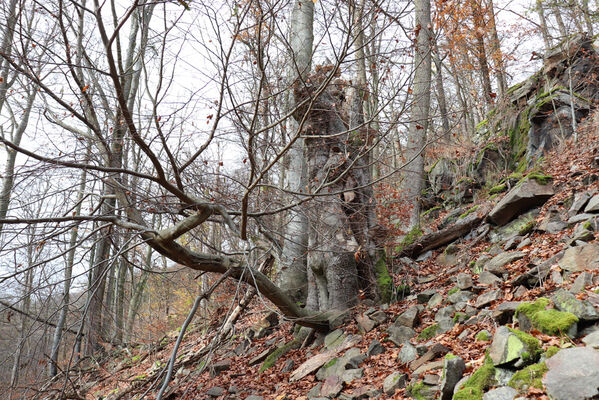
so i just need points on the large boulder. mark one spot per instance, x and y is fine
(580, 258)
(527, 194)
(573, 374)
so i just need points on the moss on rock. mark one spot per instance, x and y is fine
(480, 380)
(528, 377)
(553, 322)
(483, 336)
(429, 332)
(532, 345)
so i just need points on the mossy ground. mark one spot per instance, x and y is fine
(483, 336)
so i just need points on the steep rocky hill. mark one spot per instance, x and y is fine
(496, 300)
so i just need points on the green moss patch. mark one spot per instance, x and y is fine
(470, 211)
(553, 322)
(529, 309)
(480, 380)
(532, 344)
(483, 336)
(453, 290)
(429, 332)
(498, 188)
(551, 351)
(528, 377)
(278, 353)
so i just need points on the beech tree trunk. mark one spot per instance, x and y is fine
(338, 176)
(292, 276)
(481, 53)
(419, 121)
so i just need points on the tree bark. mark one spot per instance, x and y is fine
(292, 272)
(497, 54)
(481, 53)
(543, 23)
(419, 111)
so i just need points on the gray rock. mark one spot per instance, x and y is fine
(538, 273)
(216, 391)
(593, 205)
(503, 375)
(592, 339)
(504, 312)
(524, 243)
(566, 301)
(579, 218)
(461, 296)
(512, 242)
(315, 391)
(580, 200)
(392, 382)
(349, 375)
(378, 316)
(581, 282)
(464, 281)
(435, 301)
(407, 353)
(339, 318)
(453, 370)
(425, 296)
(375, 348)
(498, 263)
(487, 298)
(220, 366)
(501, 393)
(556, 227)
(400, 334)
(526, 195)
(365, 323)
(409, 317)
(254, 397)
(487, 278)
(331, 387)
(508, 349)
(573, 374)
(334, 339)
(444, 313)
(288, 366)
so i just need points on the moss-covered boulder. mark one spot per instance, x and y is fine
(549, 321)
(513, 347)
(567, 302)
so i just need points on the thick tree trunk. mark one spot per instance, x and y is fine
(419, 121)
(292, 272)
(338, 246)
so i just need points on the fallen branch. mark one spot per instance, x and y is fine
(437, 239)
